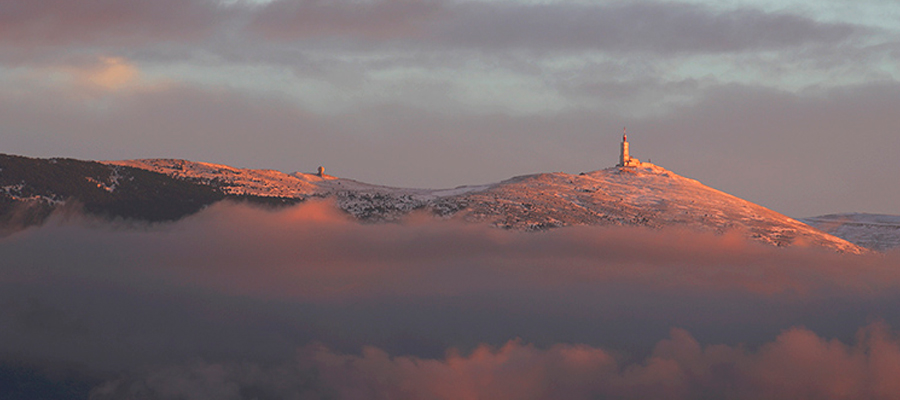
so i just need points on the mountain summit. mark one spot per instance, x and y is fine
(634, 194)
(641, 194)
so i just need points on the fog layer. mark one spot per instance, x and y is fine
(236, 298)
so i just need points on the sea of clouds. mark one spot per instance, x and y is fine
(240, 302)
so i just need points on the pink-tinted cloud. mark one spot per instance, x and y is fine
(88, 77)
(797, 364)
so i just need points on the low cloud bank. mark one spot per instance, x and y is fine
(797, 364)
(239, 289)
(314, 253)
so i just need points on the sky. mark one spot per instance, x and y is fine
(789, 104)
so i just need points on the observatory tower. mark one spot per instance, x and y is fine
(625, 159)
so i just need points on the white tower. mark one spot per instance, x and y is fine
(625, 159)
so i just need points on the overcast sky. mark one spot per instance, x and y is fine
(790, 104)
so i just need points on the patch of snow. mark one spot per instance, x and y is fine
(114, 178)
(15, 192)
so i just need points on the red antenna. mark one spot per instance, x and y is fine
(624, 134)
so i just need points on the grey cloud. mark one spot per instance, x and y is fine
(415, 25)
(374, 20)
(628, 27)
(619, 27)
(112, 22)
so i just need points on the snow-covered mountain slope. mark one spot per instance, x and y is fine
(874, 231)
(383, 203)
(230, 180)
(364, 201)
(647, 195)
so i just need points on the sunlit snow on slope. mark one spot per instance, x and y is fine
(236, 181)
(647, 195)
